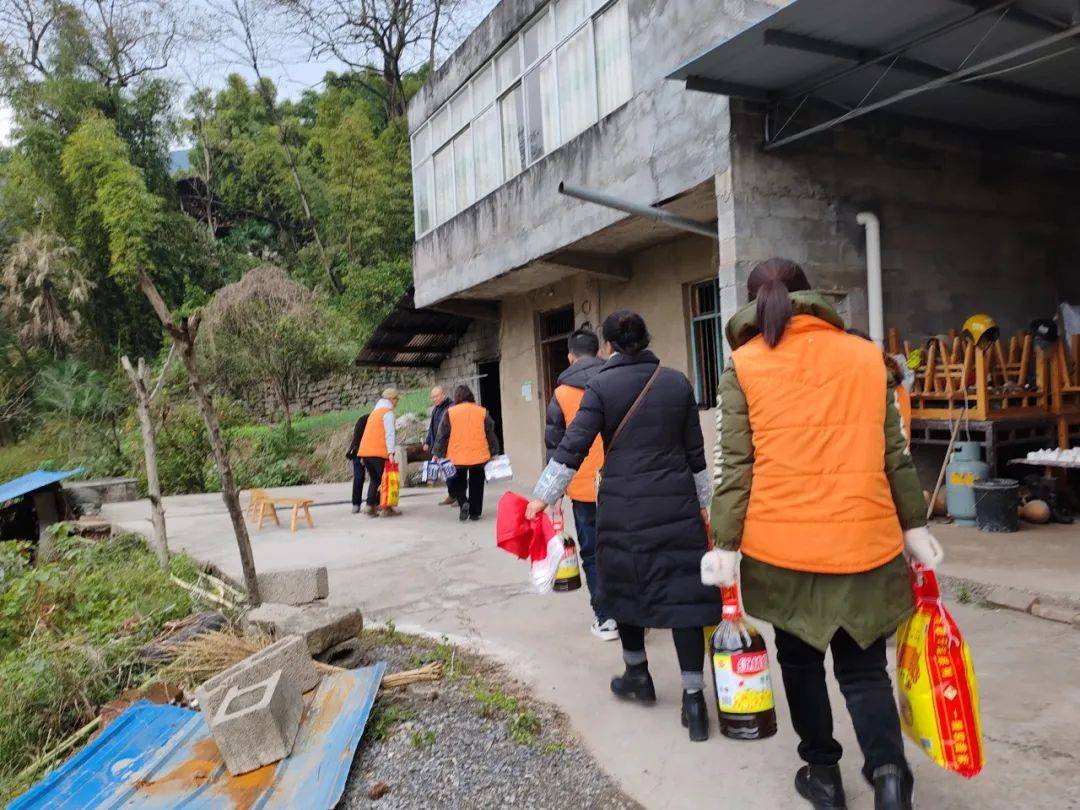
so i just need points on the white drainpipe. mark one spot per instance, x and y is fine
(874, 301)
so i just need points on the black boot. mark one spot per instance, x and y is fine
(463, 511)
(821, 786)
(893, 788)
(635, 684)
(695, 716)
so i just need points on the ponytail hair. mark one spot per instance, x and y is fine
(625, 330)
(769, 284)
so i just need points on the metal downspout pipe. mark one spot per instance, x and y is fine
(874, 301)
(647, 211)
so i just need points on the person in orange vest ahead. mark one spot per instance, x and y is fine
(377, 444)
(815, 486)
(467, 437)
(582, 348)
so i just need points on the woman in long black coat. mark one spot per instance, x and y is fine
(650, 523)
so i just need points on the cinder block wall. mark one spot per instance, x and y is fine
(478, 345)
(965, 227)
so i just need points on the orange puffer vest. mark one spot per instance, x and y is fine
(468, 437)
(582, 486)
(373, 441)
(820, 500)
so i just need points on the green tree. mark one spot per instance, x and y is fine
(268, 331)
(96, 164)
(45, 290)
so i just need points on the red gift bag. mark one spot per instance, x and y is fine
(535, 540)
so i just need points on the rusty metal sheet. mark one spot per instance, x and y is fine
(163, 757)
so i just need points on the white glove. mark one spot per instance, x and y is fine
(719, 568)
(923, 547)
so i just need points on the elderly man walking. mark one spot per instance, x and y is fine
(440, 404)
(377, 444)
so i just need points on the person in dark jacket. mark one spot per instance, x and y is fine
(651, 504)
(582, 347)
(440, 404)
(467, 437)
(357, 464)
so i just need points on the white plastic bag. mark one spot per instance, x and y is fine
(498, 469)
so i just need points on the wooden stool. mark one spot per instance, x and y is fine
(262, 504)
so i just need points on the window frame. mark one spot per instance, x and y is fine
(477, 108)
(705, 400)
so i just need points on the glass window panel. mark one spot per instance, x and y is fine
(613, 58)
(463, 170)
(577, 85)
(487, 152)
(421, 145)
(461, 108)
(483, 87)
(444, 185)
(570, 13)
(537, 39)
(422, 198)
(541, 110)
(513, 132)
(440, 127)
(508, 66)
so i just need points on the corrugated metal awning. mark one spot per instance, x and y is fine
(1012, 68)
(413, 338)
(33, 481)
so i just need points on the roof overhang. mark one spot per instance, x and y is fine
(413, 338)
(1010, 68)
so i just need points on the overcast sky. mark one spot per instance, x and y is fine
(291, 69)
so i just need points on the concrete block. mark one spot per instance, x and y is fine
(256, 725)
(323, 625)
(289, 655)
(293, 586)
(1054, 613)
(268, 618)
(1011, 598)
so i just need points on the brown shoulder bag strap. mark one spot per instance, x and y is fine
(633, 408)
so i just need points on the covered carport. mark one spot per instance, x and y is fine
(921, 160)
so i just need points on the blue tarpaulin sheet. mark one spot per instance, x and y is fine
(33, 481)
(163, 757)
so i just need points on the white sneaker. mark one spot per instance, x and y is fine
(608, 631)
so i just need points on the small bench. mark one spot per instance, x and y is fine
(261, 503)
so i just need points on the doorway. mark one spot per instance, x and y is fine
(555, 327)
(491, 394)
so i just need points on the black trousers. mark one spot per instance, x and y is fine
(374, 467)
(468, 487)
(867, 691)
(689, 644)
(357, 482)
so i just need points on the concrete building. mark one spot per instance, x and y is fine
(581, 92)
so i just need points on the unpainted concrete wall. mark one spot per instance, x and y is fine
(479, 344)
(966, 227)
(664, 141)
(657, 289)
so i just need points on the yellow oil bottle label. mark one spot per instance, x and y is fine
(568, 565)
(743, 685)
(962, 479)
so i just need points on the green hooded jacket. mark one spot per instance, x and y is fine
(812, 606)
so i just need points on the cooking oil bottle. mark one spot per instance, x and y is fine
(740, 664)
(568, 577)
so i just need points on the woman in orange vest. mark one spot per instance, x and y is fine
(815, 486)
(467, 437)
(377, 444)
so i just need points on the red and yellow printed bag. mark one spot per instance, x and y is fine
(938, 693)
(390, 489)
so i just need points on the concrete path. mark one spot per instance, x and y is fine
(426, 571)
